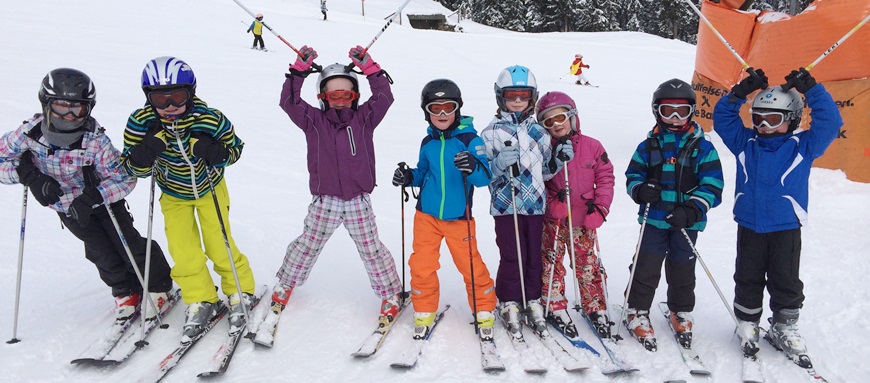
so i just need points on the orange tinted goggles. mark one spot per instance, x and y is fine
(524, 94)
(557, 119)
(442, 108)
(342, 95)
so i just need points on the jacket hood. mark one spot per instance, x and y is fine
(465, 126)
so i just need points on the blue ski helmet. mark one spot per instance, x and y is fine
(167, 72)
(516, 76)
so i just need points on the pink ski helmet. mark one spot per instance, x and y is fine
(259, 16)
(578, 56)
(552, 100)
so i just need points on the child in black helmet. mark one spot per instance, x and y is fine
(66, 160)
(675, 176)
(341, 166)
(771, 185)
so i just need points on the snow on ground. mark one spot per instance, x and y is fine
(65, 306)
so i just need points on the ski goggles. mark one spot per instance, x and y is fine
(771, 119)
(164, 99)
(341, 95)
(64, 108)
(681, 111)
(523, 94)
(557, 119)
(442, 108)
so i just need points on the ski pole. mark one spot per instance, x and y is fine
(710, 275)
(552, 256)
(465, 191)
(142, 343)
(387, 25)
(715, 32)
(315, 66)
(837, 44)
(571, 241)
(20, 265)
(217, 210)
(404, 198)
(633, 268)
(515, 172)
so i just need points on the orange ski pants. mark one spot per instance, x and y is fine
(424, 264)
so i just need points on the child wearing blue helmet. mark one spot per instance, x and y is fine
(522, 158)
(182, 142)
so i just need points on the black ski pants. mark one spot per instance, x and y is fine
(671, 248)
(104, 249)
(769, 260)
(259, 39)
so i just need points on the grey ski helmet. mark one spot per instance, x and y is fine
(516, 76)
(672, 89)
(69, 85)
(336, 70)
(789, 102)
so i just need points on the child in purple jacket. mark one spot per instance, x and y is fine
(341, 167)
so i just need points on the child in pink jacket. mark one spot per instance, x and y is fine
(591, 182)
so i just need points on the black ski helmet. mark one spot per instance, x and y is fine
(67, 84)
(672, 89)
(442, 89)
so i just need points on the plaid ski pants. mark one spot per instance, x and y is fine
(325, 214)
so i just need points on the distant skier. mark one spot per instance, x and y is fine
(772, 196)
(676, 177)
(450, 154)
(54, 154)
(323, 8)
(591, 193)
(515, 140)
(341, 169)
(577, 70)
(257, 28)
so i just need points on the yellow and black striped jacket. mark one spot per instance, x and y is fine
(179, 173)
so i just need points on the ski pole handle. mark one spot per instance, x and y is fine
(405, 197)
(515, 168)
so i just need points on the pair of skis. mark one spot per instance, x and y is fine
(122, 339)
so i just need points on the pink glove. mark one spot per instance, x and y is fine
(305, 59)
(363, 61)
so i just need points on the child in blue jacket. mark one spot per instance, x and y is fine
(771, 196)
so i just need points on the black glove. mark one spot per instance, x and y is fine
(402, 176)
(648, 192)
(82, 207)
(562, 195)
(209, 149)
(802, 80)
(465, 162)
(685, 215)
(755, 81)
(45, 189)
(144, 154)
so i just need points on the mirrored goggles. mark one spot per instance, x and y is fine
(63, 108)
(681, 111)
(557, 119)
(164, 99)
(772, 120)
(341, 95)
(523, 94)
(442, 108)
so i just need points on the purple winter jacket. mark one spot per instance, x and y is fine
(341, 150)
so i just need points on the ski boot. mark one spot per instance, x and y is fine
(748, 333)
(159, 300)
(197, 316)
(390, 308)
(237, 311)
(126, 306)
(681, 322)
(423, 322)
(601, 323)
(637, 323)
(562, 320)
(485, 323)
(784, 336)
(535, 316)
(510, 314)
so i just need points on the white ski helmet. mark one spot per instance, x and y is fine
(775, 98)
(336, 70)
(516, 76)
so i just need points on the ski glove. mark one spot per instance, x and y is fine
(562, 195)
(82, 207)
(363, 61)
(152, 144)
(647, 192)
(596, 215)
(45, 189)
(801, 80)
(465, 162)
(755, 81)
(402, 177)
(564, 152)
(684, 216)
(508, 156)
(304, 60)
(206, 147)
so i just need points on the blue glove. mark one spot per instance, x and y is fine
(508, 156)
